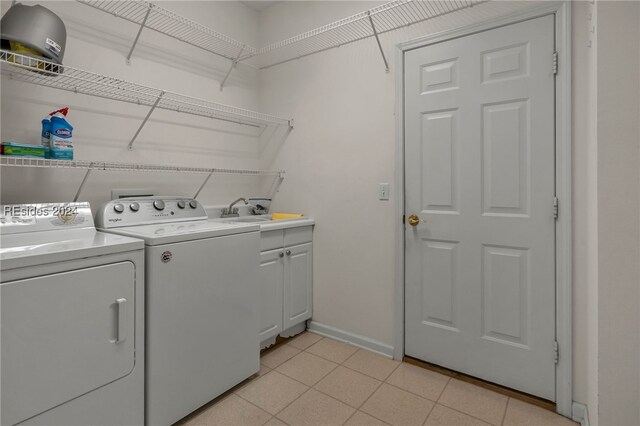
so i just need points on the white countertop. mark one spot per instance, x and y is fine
(273, 225)
(267, 224)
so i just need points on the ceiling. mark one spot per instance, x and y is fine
(259, 5)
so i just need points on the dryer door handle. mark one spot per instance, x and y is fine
(122, 320)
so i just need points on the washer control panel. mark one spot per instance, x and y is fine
(148, 210)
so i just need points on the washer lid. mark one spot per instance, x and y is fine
(175, 232)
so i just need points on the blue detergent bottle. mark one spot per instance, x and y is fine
(60, 139)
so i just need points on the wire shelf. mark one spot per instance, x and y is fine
(45, 73)
(173, 25)
(386, 17)
(113, 166)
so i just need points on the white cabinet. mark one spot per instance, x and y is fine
(286, 281)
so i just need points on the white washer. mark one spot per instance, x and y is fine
(201, 301)
(72, 319)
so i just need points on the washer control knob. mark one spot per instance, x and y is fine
(118, 208)
(134, 207)
(193, 204)
(158, 204)
(181, 204)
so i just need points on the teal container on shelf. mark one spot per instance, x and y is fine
(61, 137)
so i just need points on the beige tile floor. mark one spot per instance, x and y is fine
(311, 380)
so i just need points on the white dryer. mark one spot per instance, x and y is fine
(201, 300)
(72, 319)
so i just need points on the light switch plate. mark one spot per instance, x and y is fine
(383, 191)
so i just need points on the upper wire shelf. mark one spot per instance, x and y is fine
(371, 23)
(125, 167)
(164, 21)
(45, 73)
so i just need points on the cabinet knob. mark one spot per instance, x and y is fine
(281, 254)
(288, 252)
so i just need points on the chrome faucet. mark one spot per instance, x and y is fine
(233, 211)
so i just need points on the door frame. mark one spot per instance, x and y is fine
(562, 12)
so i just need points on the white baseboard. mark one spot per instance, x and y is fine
(354, 339)
(580, 413)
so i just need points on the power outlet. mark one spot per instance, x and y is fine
(383, 191)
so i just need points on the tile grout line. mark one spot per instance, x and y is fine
(408, 391)
(300, 396)
(373, 393)
(244, 399)
(506, 407)
(335, 362)
(429, 413)
(366, 375)
(443, 389)
(467, 414)
(437, 402)
(317, 381)
(303, 349)
(352, 369)
(289, 404)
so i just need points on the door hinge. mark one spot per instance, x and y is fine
(555, 208)
(556, 352)
(555, 63)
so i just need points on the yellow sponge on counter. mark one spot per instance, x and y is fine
(280, 216)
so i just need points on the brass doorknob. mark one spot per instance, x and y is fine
(414, 220)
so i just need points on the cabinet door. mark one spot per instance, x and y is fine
(298, 284)
(271, 284)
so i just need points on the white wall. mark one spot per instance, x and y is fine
(99, 42)
(618, 211)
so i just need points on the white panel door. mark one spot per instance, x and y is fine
(479, 164)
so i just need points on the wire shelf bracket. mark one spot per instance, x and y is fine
(204, 183)
(275, 186)
(233, 65)
(375, 33)
(84, 180)
(135, 41)
(153, 107)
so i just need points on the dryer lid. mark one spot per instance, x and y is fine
(33, 234)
